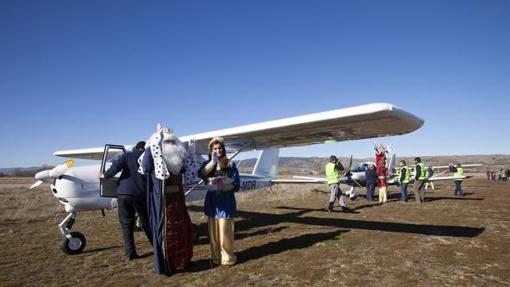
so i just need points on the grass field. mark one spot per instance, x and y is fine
(283, 237)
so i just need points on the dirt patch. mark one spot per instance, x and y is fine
(283, 237)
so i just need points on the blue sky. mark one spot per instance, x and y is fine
(76, 74)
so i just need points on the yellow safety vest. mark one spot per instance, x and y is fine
(406, 177)
(460, 172)
(332, 173)
(421, 176)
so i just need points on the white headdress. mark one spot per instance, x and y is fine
(154, 143)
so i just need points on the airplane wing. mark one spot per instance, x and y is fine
(295, 181)
(463, 165)
(439, 178)
(309, 179)
(359, 122)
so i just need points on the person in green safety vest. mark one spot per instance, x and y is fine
(419, 180)
(333, 169)
(458, 171)
(403, 176)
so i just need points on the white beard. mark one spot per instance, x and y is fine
(173, 156)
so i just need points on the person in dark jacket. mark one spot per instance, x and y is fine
(371, 179)
(131, 196)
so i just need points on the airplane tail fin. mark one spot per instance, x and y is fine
(267, 163)
(391, 166)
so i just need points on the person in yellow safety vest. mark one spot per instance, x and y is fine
(419, 180)
(403, 176)
(459, 173)
(333, 168)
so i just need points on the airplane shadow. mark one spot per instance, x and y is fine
(252, 219)
(430, 199)
(425, 229)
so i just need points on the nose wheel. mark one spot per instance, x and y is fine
(73, 242)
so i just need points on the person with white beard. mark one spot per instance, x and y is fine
(222, 179)
(163, 161)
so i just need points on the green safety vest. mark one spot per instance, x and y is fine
(332, 173)
(406, 177)
(460, 172)
(421, 176)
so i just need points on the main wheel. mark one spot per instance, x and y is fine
(75, 245)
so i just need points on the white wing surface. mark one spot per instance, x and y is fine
(360, 122)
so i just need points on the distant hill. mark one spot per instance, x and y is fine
(23, 171)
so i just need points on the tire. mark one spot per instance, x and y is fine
(75, 245)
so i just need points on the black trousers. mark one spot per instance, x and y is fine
(128, 206)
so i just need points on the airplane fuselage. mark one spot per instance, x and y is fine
(78, 189)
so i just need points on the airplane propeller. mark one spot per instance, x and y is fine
(350, 164)
(47, 176)
(349, 174)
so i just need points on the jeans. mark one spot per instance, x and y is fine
(458, 188)
(370, 191)
(403, 192)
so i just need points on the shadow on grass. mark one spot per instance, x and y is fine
(252, 220)
(101, 249)
(282, 245)
(430, 199)
(425, 229)
(271, 248)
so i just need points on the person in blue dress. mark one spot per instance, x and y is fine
(222, 179)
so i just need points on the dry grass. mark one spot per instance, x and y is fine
(284, 238)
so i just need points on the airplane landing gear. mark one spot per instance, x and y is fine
(73, 245)
(73, 242)
(352, 194)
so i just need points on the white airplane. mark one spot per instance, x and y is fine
(355, 176)
(79, 188)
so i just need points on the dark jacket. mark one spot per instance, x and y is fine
(131, 182)
(370, 176)
(403, 174)
(417, 172)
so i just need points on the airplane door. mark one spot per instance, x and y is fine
(108, 186)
